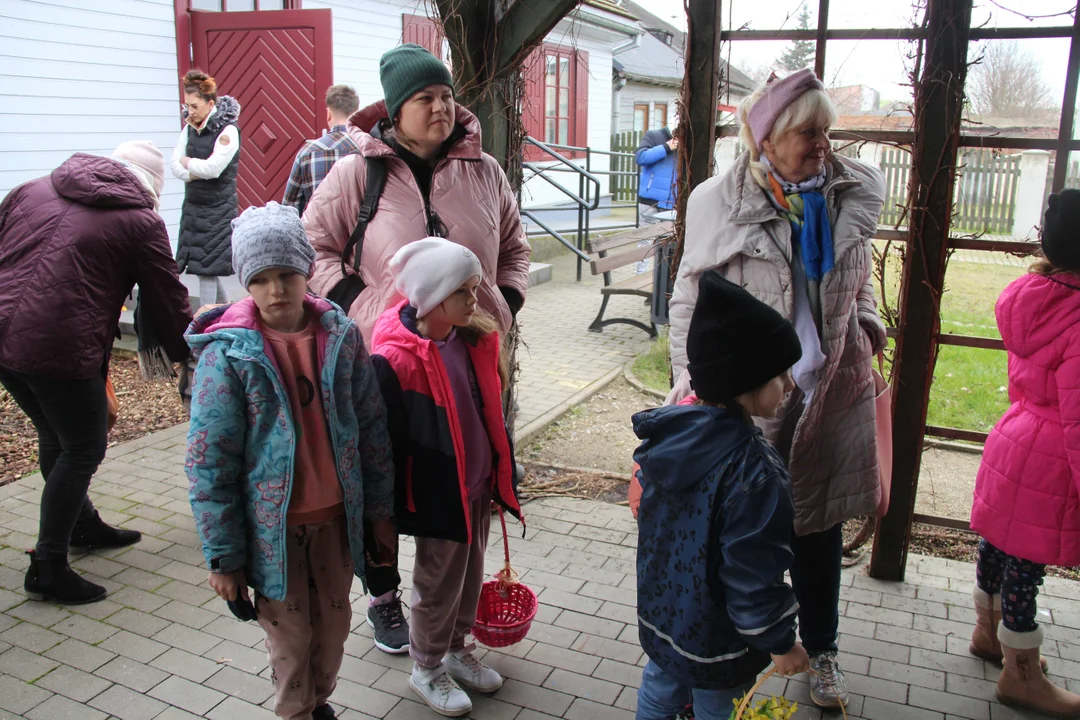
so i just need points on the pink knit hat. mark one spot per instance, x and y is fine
(143, 154)
(777, 96)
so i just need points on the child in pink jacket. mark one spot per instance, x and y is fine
(1027, 507)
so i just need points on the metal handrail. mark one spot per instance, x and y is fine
(555, 234)
(587, 198)
(585, 174)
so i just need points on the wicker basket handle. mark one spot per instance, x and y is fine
(761, 681)
(506, 576)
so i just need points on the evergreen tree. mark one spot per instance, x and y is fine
(800, 53)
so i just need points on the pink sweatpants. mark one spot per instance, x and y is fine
(447, 577)
(306, 633)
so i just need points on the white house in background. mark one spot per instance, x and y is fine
(648, 76)
(83, 77)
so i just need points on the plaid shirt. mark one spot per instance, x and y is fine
(313, 164)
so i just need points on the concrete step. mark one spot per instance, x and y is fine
(539, 273)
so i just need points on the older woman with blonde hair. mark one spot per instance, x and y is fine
(793, 223)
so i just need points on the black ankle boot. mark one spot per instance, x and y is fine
(323, 712)
(94, 534)
(53, 579)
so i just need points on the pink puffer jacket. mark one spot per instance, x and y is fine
(469, 193)
(1027, 493)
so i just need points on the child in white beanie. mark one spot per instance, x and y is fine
(437, 357)
(288, 458)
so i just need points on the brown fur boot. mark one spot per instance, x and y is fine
(984, 639)
(1022, 683)
(984, 642)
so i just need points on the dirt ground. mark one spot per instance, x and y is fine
(144, 408)
(596, 434)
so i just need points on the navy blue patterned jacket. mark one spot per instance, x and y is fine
(715, 530)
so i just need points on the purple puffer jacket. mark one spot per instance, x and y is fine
(72, 245)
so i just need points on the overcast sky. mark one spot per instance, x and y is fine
(879, 64)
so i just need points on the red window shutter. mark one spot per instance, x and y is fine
(581, 100)
(532, 106)
(422, 31)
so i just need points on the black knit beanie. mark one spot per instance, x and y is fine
(736, 343)
(405, 71)
(1061, 230)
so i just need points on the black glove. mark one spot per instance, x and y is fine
(243, 609)
(513, 299)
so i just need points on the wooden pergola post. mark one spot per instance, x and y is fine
(939, 96)
(700, 94)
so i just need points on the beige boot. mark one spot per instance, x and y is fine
(984, 639)
(984, 642)
(1022, 683)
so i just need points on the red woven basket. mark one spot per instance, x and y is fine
(507, 607)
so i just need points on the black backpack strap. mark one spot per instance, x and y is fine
(373, 187)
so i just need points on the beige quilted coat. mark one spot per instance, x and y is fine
(470, 194)
(732, 226)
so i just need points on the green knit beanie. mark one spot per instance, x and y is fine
(406, 70)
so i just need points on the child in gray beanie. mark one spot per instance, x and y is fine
(288, 458)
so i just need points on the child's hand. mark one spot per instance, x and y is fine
(793, 662)
(386, 540)
(229, 585)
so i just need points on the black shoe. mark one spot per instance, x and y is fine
(94, 534)
(323, 712)
(389, 626)
(53, 579)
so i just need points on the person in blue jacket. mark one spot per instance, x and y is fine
(655, 156)
(716, 516)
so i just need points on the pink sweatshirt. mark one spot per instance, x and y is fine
(316, 492)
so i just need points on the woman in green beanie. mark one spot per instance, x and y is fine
(439, 182)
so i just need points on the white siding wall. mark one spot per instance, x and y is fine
(75, 79)
(363, 31)
(639, 93)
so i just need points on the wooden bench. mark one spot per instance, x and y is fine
(624, 245)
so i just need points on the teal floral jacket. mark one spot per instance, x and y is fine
(242, 440)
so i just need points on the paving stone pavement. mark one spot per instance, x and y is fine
(163, 646)
(561, 361)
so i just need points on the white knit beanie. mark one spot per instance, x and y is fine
(428, 271)
(143, 154)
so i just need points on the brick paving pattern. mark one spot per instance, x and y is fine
(163, 646)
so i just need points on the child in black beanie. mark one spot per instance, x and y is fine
(716, 515)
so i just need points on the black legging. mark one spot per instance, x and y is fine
(71, 420)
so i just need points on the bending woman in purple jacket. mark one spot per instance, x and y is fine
(72, 245)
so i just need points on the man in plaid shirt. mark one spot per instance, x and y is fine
(315, 159)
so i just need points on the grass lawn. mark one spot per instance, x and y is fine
(969, 389)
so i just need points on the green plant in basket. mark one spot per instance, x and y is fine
(774, 708)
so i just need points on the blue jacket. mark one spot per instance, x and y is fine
(657, 163)
(242, 440)
(715, 530)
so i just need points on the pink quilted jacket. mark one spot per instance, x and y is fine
(470, 194)
(1027, 493)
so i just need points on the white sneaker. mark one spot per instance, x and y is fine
(439, 691)
(470, 672)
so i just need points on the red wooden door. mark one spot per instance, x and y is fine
(278, 64)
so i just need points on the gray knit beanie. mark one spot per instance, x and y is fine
(405, 71)
(270, 237)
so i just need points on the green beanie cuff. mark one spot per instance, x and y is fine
(406, 70)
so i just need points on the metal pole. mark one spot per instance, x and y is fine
(939, 96)
(1068, 108)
